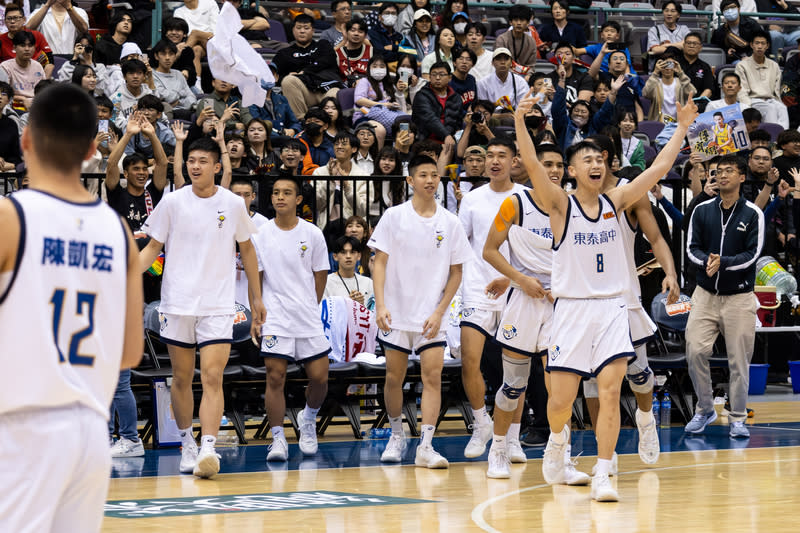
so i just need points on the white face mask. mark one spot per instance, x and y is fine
(389, 19)
(377, 73)
(460, 27)
(580, 121)
(731, 14)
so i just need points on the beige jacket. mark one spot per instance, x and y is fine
(654, 91)
(758, 81)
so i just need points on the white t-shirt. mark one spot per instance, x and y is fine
(668, 105)
(492, 89)
(340, 286)
(477, 213)
(61, 40)
(483, 67)
(241, 278)
(289, 260)
(420, 251)
(202, 18)
(199, 236)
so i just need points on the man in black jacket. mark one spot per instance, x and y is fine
(437, 107)
(109, 47)
(725, 239)
(307, 69)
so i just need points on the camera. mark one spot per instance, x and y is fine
(669, 64)
(477, 117)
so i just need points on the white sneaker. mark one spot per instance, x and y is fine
(308, 435)
(481, 435)
(395, 448)
(602, 490)
(649, 447)
(573, 476)
(515, 453)
(553, 462)
(127, 448)
(188, 458)
(429, 458)
(278, 450)
(614, 466)
(499, 464)
(207, 465)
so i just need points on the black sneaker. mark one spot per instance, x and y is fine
(535, 438)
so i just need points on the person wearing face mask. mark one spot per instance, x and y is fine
(384, 38)
(376, 99)
(735, 34)
(320, 149)
(574, 125)
(523, 47)
(460, 22)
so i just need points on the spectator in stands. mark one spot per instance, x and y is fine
(393, 190)
(15, 22)
(83, 54)
(632, 147)
(518, 39)
(375, 99)
(23, 73)
(176, 29)
(731, 85)
(137, 84)
(307, 69)
(421, 35)
(476, 127)
(579, 85)
(85, 77)
(790, 89)
(137, 199)
(403, 141)
(109, 47)
(368, 147)
(460, 21)
(60, 23)
(201, 18)
(407, 66)
(628, 95)
(342, 14)
(320, 149)
(474, 169)
(752, 119)
(736, 34)
(668, 34)
(408, 16)
(261, 157)
(346, 281)
(331, 106)
(170, 85)
(443, 51)
(667, 86)
(759, 138)
(338, 200)
(437, 107)
(10, 153)
(451, 8)
(236, 144)
(503, 83)
(700, 73)
(476, 36)
(353, 52)
(761, 81)
(577, 123)
(561, 29)
(781, 36)
(723, 302)
(610, 41)
(384, 37)
(543, 87)
(291, 156)
(254, 21)
(789, 161)
(277, 110)
(223, 99)
(151, 109)
(462, 81)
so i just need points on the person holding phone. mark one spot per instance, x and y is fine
(669, 34)
(611, 38)
(664, 88)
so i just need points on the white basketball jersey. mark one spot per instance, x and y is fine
(538, 262)
(589, 262)
(62, 316)
(633, 295)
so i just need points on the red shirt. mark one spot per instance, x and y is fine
(356, 66)
(39, 54)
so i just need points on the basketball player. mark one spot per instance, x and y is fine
(420, 249)
(591, 336)
(527, 317)
(70, 318)
(480, 314)
(243, 188)
(297, 257)
(199, 226)
(723, 134)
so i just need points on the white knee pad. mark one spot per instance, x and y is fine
(640, 377)
(515, 382)
(590, 388)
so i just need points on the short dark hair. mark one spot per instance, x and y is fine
(117, 18)
(173, 23)
(547, 147)
(243, 181)
(406, 119)
(441, 64)
(582, 146)
(335, 3)
(319, 113)
(478, 26)
(132, 159)
(387, 5)
(419, 160)
(295, 144)
(731, 75)
(302, 18)
(761, 33)
(205, 144)
(761, 148)
(726, 3)
(788, 136)
(345, 135)
(751, 114)
(150, 101)
(519, 12)
(503, 141)
(459, 53)
(63, 124)
(563, 44)
(760, 135)
(611, 24)
(132, 66)
(718, 114)
(42, 85)
(14, 7)
(485, 104)
(678, 7)
(23, 37)
(696, 34)
(165, 45)
(353, 22)
(563, 3)
(338, 244)
(297, 186)
(622, 113)
(733, 159)
(8, 89)
(104, 101)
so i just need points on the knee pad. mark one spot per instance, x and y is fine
(640, 377)
(590, 388)
(515, 382)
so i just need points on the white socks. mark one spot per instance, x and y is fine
(277, 433)
(427, 435)
(397, 424)
(513, 431)
(208, 441)
(187, 437)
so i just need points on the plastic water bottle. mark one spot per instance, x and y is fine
(770, 272)
(226, 438)
(656, 408)
(666, 411)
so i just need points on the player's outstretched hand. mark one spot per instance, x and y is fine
(432, 325)
(524, 107)
(532, 287)
(686, 113)
(496, 287)
(383, 318)
(671, 284)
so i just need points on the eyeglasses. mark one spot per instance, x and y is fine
(14, 19)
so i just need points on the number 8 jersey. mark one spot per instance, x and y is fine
(62, 308)
(589, 262)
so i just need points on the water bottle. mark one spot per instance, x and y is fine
(226, 438)
(770, 272)
(656, 408)
(666, 411)
(373, 433)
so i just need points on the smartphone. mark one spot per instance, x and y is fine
(617, 46)
(208, 102)
(548, 82)
(404, 76)
(404, 126)
(102, 125)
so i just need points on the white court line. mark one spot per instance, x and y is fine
(772, 427)
(477, 512)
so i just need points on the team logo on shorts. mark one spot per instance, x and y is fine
(439, 238)
(221, 219)
(386, 333)
(509, 332)
(467, 312)
(162, 320)
(270, 341)
(554, 351)
(303, 248)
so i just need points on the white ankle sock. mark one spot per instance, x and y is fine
(560, 437)
(208, 441)
(426, 438)
(310, 414)
(603, 466)
(187, 437)
(277, 433)
(498, 442)
(480, 415)
(513, 431)
(397, 424)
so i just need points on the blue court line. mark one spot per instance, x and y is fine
(354, 454)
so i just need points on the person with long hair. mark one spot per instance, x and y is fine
(421, 34)
(375, 99)
(391, 192)
(85, 77)
(407, 68)
(561, 29)
(367, 147)
(443, 51)
(261, 155)
(451, 7)
(331, 106)
(632, 148)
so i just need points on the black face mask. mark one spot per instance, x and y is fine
(534, 122)
(313, 129)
